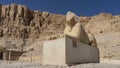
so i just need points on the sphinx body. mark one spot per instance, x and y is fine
(92, 40)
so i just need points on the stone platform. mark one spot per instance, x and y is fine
(64, 51)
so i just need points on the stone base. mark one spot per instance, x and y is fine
(64, 51)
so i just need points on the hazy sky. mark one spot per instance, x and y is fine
(80, 7)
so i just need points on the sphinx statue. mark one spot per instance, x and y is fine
(74, 29)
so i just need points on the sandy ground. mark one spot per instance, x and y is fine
(16, 64)
(109, 45)
(110, 61)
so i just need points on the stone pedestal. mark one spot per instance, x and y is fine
(64, 51)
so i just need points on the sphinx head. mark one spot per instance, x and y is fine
(71, 18)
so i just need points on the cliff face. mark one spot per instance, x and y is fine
(20, 22)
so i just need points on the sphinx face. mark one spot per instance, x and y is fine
(70, 16)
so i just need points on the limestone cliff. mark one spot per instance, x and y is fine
(18, 21)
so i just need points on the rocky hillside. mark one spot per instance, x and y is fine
(18, 21)
(103, 23)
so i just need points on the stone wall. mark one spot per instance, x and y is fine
(62, 51)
